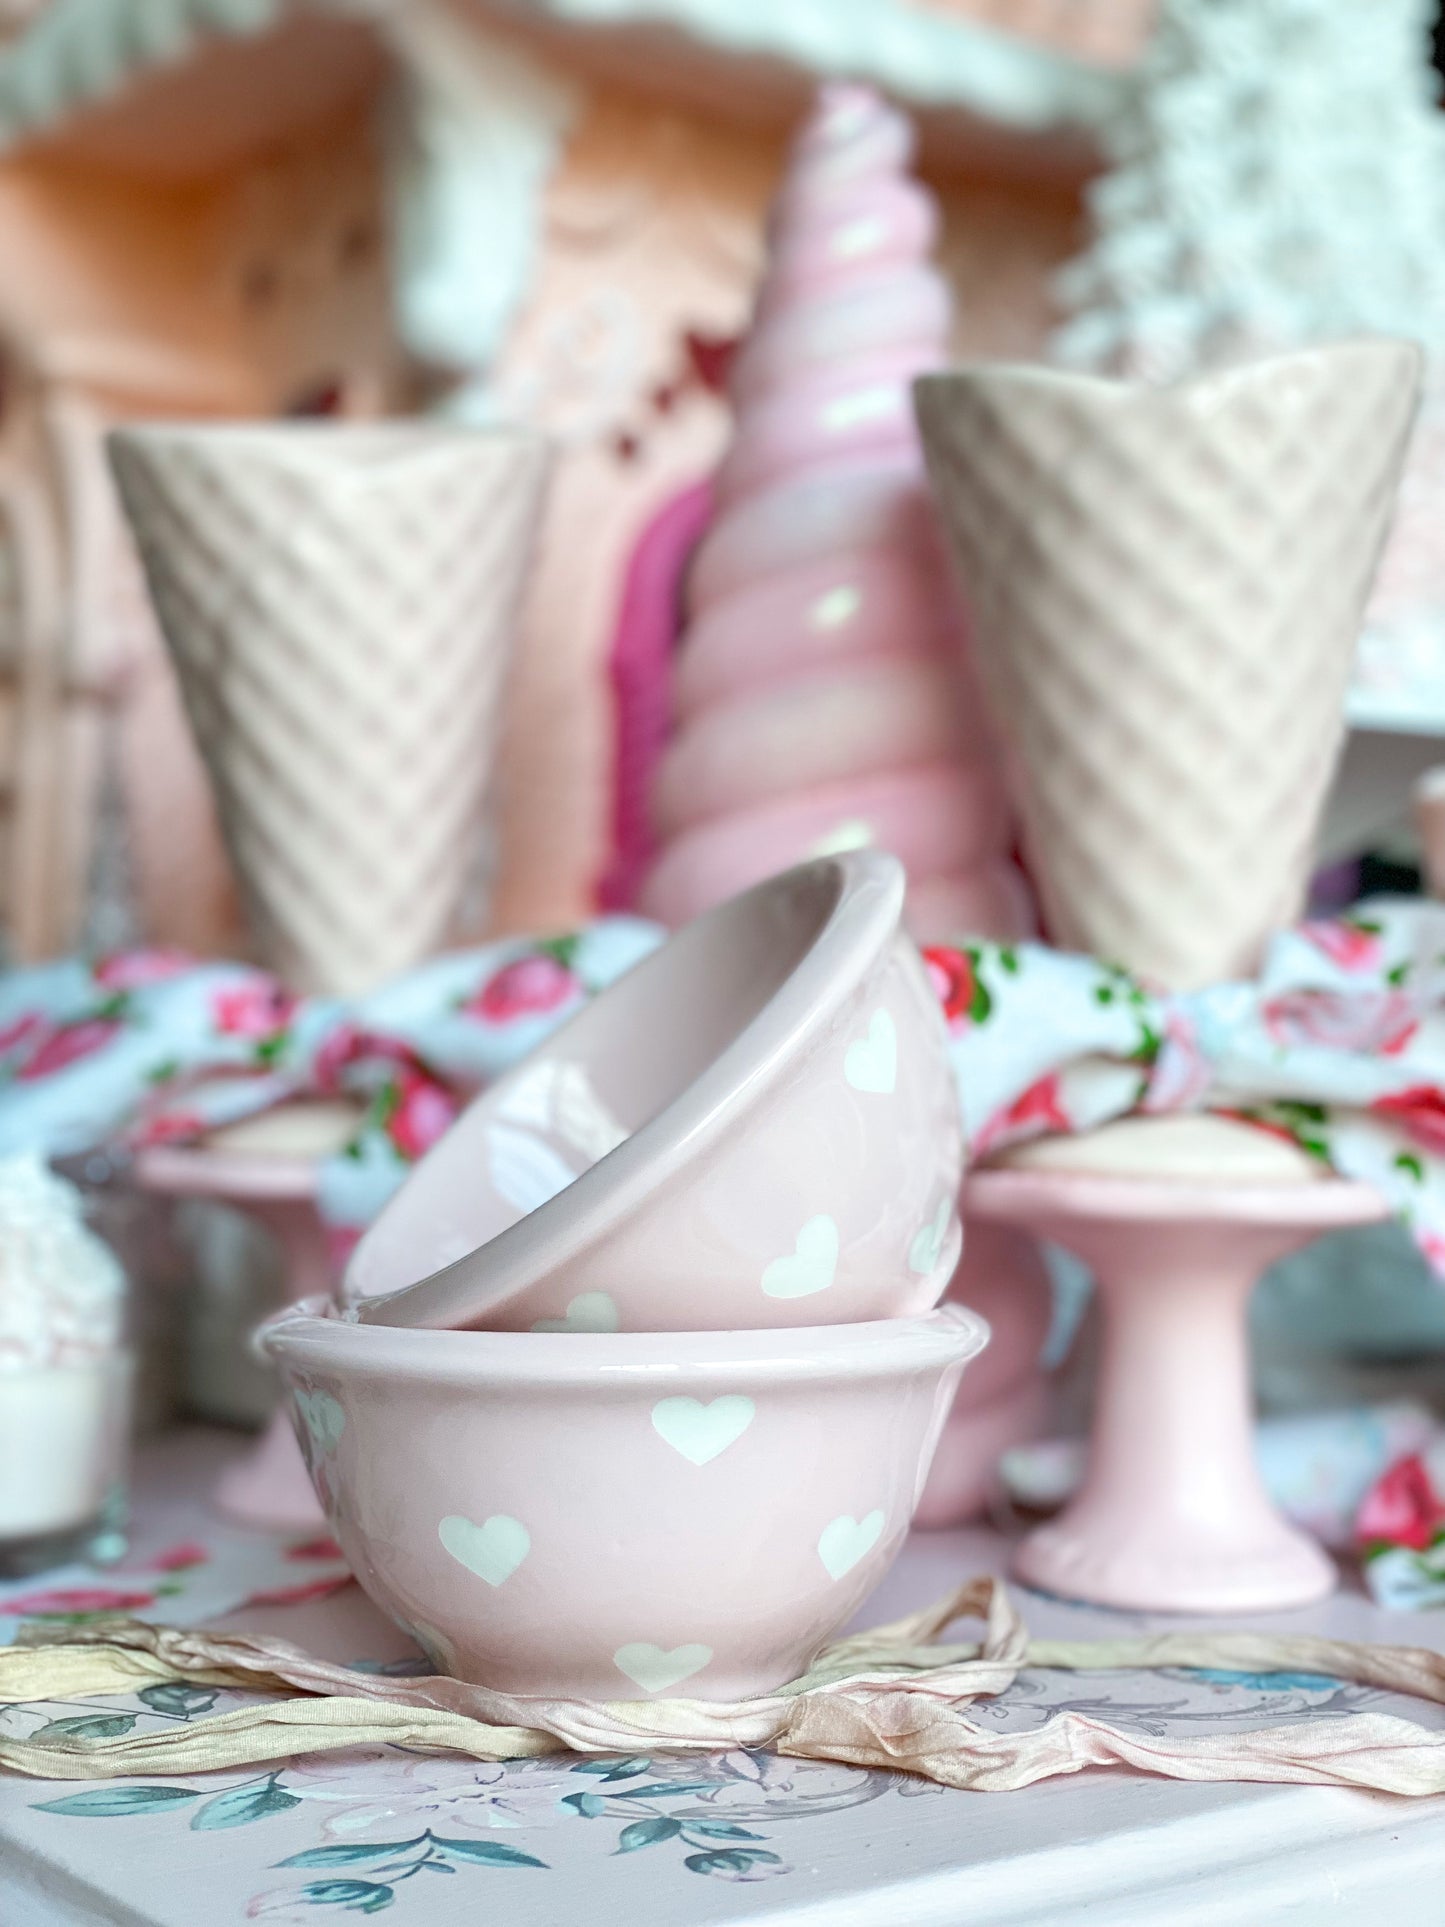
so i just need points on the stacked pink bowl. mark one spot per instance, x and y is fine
(824, 695)
(640, 1374)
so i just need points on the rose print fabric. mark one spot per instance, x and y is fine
(1338, 1045)
(150, 1047)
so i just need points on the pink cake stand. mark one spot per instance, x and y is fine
(268, 1486)
(1172, 1515)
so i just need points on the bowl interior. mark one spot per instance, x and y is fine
(645, 1065)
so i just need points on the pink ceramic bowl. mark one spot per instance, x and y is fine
(624, 1516)
(764, 1122)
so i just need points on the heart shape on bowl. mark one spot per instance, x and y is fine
(654, 1670)
(590, 1311)
(846, 1540)
(324, 1420)
(928, 1241)
(698, 1431)
(811, 1264)
(492, 1550)
(871, 1064)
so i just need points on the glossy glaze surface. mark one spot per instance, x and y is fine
(609, 1517)
(756, 1127)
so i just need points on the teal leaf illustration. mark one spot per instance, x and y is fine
(665, 1790)
(718, 1830)
(358, 1896)
(730, 1860)
(488, 1853)
(87, 1726)
(353, 1855)
(589, 1805)
(243, 1804)
(613, 1769)
(647, 1833)
(184, 1702)
(114, 1802)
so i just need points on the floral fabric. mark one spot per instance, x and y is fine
(1338, 1046)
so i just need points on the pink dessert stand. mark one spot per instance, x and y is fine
(269, 1485)
(1172, 1515)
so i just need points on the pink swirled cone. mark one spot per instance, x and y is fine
(823, 690)
(824, 693)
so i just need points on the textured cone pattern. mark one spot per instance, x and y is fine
(1167, 588)
(340, 605)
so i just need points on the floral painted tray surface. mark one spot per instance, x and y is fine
(655, 1842)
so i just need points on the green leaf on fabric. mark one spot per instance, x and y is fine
(353, 1855)
(589, 1805)
(487, 1853)
(242, 1805)
(730, 1860)
(1408, 1162)
(87, 1726)
(613, 1769)
(115, 1802)
(647, 1833)
(358, 1896)
(667, 1789)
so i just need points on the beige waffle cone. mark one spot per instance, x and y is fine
(1166, 588)
(340, 602)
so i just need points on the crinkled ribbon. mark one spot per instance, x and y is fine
(891, 1697)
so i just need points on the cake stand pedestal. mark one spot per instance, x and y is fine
(1172, 1515)
(269, 1486)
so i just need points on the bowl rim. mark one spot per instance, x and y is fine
(864, 921)
(312, 1334)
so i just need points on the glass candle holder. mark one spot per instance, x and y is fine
(66, 1373)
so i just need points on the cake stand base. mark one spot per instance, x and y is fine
(1172, 1515)
(269, 1485)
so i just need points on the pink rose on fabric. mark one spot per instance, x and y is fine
(255, 1010)
(1353, 946)
(1420, 1111)
(529, 987)
(952, 975)
(134, 969)
(424, 1109)
(81, 1599)
(1402, 1508)
(180, 1558)
(302, 1594)
(1380, 1021)
(172, 1127)
(1182, 1074)
(20, 1030)
(1037, 1112)
(348, 1046)
(67, 1044)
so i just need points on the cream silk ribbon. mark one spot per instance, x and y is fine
(891, 1697)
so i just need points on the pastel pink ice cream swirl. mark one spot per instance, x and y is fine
(824, 696)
